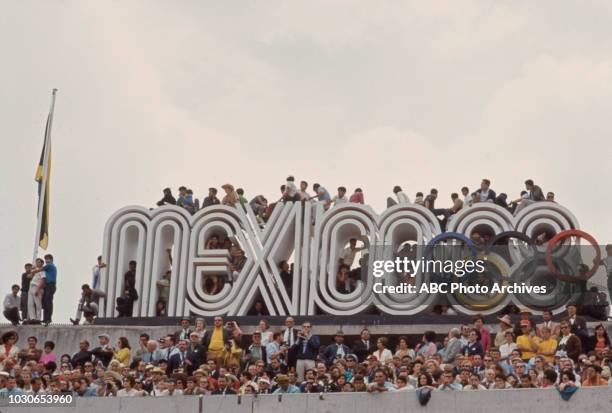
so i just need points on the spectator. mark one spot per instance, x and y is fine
(8, 349)
(186, 200)
(266, 333)
(343, 282)
(534, 194)
(550, 197)
(545, 346)
(322, 195)
(430, 200)
(485, 193)
(88, 302)
(505, 324)
(454, 346)
(129, 278)
(82, 356)
(125, 303)
(547, 322)
(593, 377)
(306, 349)
(357, 197)
(526, 341)
(485, 335)
(36, 291)
(569, 342)
(26, 278)
(213, 341)
(382, 353)
(363, 347)
(163, 287)
(290, 192)
(347, 255)
(284, 386)
(123, 352)
(468, 199)
(418, 199)
(211, 199)
(167, 199)
(48, 356)
(474, 345)
(243, 201)
(340, 197)
(599, 341)
(231, 198)
(185, 332)
(509, 345)
(427, 347)
(303, 193)
(12, 302)
(336, 351)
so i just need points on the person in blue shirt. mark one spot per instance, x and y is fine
(11, 389)
(49, 283)
(322, 195)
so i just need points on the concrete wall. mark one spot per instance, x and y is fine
(498, 401)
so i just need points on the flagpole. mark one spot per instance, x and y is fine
(43, 188)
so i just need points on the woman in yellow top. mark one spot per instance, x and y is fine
(123, 354)
(547, 346)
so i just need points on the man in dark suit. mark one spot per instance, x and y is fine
(195, 353)
(336, 351)
(290, 335)
(363, 347)
(485, 193)
(185, 331)
(306, 350)
(577, 324)
(179, 359)
(223, 386)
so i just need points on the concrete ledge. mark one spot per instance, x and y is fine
(500, 401)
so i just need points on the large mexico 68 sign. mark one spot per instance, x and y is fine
(303, 234)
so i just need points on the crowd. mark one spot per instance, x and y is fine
(289, 192)
(220, 359)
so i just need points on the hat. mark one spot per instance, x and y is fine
(282, 377)
(193, 333)
(263, 380)
(228, 186)
(339, 333)
(525, 323)
(4, 374)
(525, 310)
(149, 366)
(561, 353)
(351, 356)
(8, 335)
(186, 318)
(199, 371)
(112, 374)
(104, 335)
(506, 319)
(157, 370)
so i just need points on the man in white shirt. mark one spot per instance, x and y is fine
(128, 387)
(340, 198)
(12, 302)
(291, 191)
(402, 198)
(347, 256)
(467, 197)
(304, 195)
(36, 292)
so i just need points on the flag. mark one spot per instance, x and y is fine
(43, 179)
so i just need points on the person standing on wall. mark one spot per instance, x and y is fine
(48, 283)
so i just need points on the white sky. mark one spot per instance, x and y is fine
(353, 93)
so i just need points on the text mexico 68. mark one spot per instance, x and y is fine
(38, 400)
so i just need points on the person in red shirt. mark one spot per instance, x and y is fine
(485, 334)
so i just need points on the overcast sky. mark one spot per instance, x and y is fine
(355, 93)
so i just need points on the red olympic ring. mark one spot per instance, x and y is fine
(562, 236)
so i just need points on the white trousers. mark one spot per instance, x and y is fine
(34, 304)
